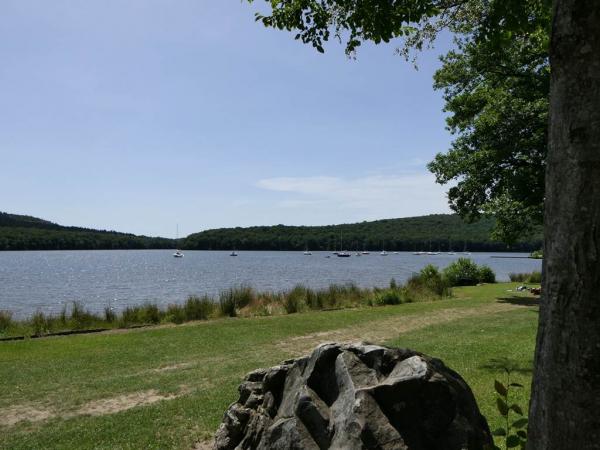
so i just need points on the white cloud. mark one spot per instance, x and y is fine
(335, 199)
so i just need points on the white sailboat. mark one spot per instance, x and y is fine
(342, 253)
(178, 253)
(307, 252)
(465, 251)
(450, 251)
(383, 252)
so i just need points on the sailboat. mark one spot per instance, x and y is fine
(450, 251)
(465, 252)
(430, 252)
(178, 253)
(342, 253)
(383, 252)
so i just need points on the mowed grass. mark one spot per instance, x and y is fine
(480, 348)
(76, 390)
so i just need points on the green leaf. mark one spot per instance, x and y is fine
(516, 385)
(502, 406)
(512, 441)
(500, 388)
(516, 408)
(520, 423)
(522, 434)
(499, 432)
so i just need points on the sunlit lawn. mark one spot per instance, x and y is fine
(198, 366)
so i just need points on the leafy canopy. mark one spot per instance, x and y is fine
(353, 20)
(496, 91)
(495, 84)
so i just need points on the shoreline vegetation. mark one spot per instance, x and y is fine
(167, 387)
(436, 232)
(430, 284)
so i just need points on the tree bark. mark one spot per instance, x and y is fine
(565, 403)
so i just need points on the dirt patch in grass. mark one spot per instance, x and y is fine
(121, 403)
(172, 367)
(383, 330)
(32, 413)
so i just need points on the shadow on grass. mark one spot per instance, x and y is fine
(520, 301)
(503, 364)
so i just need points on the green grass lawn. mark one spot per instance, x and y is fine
(81, 385)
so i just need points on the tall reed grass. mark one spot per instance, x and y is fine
(5, 320)
(243, 301)
(533, 277)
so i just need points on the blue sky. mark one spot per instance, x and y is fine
(137, 115)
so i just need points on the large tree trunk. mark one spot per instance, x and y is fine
(565, 404)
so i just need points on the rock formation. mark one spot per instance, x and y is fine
(355, 396)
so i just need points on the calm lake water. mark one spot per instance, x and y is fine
(46, 280)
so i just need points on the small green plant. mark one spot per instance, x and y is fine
(243, 295)
(291, 304)
(198, 308)
(518, 277)
(387, 297)
(313, 299)
(80, 318)
(536, 254)
(227, 303)
(486, 275)
(175, 314)
(149, 313)
(464, 272)
(533, 277)
(514, 432)
(109, 315)
(426, 285)
(129, 317)
(294, 300)
(39, 323)
(63, 318)
(431, 278)
(5, 320)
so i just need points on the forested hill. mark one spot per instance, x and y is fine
(30, 233)
(436, 232)
(439, 232)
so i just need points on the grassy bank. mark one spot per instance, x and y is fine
(241, 301)
(427, 285)
(167, 387)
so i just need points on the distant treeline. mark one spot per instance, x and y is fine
(30, 233)
(439, 232)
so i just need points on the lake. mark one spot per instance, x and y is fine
(46, 280)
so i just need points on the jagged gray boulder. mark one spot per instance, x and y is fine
(355, 396)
